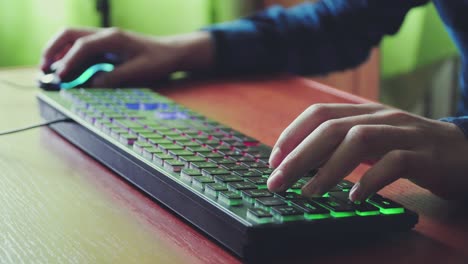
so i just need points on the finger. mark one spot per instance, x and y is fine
(362, 142)
(314, 150)
(394, 165)
(131, 72)
(56, 46)
(309, 120)
(110, 40)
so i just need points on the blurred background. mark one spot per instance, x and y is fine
(415, 70)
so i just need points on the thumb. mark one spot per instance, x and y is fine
(133, 72)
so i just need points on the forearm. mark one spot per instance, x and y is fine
(310, 38)
(195, 51)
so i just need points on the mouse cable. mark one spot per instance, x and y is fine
(14, 84)
(60, 120)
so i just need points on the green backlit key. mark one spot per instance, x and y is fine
(173, 165)
(250, 195)
(228, 178)
(311, 209)
(214, 188)
(269, 201)
(229, 198)
(259, 215)
(190, 172)
(287, 213)
(212, 172)
(362, 209)
(200, 181)
(159, 158)
(238, 186)
(290, 196)
(385, 205)
(337, 207)
(248, 174)
(203, 165)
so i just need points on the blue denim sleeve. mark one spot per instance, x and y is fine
(310, 38)
(461, 122)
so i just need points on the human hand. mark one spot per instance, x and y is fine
(145, 59)
(337, 137)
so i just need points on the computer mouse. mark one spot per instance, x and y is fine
(81, 76)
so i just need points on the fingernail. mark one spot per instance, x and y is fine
(276, 182)
(56, 65)
(355, 193)
(274, 157)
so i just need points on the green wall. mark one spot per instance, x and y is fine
(422, 40)
(26, 25)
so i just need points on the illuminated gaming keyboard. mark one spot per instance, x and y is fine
(209, 174)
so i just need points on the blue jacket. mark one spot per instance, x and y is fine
(330, 35)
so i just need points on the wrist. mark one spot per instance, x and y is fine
(194, 51)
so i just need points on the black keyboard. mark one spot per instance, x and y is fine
(209, 174)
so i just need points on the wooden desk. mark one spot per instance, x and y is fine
(58, 205)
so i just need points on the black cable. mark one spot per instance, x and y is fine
(18, 85)
(103, 7)
(36, 126)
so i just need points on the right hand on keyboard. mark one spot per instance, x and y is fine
(145, 59)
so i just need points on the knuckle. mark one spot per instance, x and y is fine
(360, 134)
(331, 125)
(374, 105)
(82, 43)
(397, 115)
(321, 110)
(114, 32)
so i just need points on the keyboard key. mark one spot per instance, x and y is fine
(167, 147)
(238, 186)
(269, 201)
(345, 184)
(187, 174)
(208, 155)
(200, 181)
(287, 213)
(160, 158)
(173, 165)
(149, 152)
(138, 146)
(362, 209)
(337, 207)
(212, 172)
(248, 174)
(366, 209)
(229, 198)
(214, 188)
(188, 159)
(311, 209)
(181, 152)
(203, 165)
(234, 167)
(260, 182)
(256, 193)
(228, 178)
(259, 215)
(385, 205)
(290, 196)
(223, 161)
(146, 136)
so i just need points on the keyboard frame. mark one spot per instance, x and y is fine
(241, 237)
